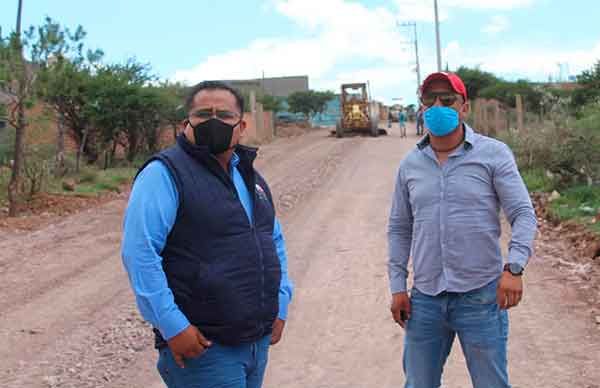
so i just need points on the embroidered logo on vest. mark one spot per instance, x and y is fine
(260, 193)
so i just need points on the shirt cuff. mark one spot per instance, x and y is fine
(518, 258)
(284, 301)
(398, 285)
(172, 324)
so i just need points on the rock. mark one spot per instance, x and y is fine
(593, 251)
(587, 210)
(554, 196)
(52, 381)
(69, 185)
(138, 348)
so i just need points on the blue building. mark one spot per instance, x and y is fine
(329, 116)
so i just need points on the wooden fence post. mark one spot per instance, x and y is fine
(485, 128)
(475, 113)
(259, 117)
(497, 124)
(519, 104)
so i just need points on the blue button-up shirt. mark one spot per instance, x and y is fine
(447, 217)
(150, 216)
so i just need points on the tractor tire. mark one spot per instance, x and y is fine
(339, 130)
(374, 129)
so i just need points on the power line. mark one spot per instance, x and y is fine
(416, 44)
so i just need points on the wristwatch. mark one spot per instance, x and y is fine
(514, 268)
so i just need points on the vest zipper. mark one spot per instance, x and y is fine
(256, 242)
(262, 265)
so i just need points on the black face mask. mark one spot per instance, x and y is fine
(214, 134)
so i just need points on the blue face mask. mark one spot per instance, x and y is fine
(441, 120)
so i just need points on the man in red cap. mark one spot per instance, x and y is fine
(445, 215)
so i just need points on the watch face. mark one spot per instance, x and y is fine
(515, 268)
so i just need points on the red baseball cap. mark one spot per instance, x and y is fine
(455, 82)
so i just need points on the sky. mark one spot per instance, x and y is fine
(332, 41)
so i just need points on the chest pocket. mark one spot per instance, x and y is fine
(471, 184)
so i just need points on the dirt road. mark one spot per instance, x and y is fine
(67, 315)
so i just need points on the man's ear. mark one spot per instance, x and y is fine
(243, 126)
(464, 111)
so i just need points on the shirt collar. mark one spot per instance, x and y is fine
(469, 139)
(235, 160)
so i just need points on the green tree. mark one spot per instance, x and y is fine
(589, 91)
(172, 110)
(476, 80)
(301, 102)
(506, 93)
(125, 108)
(18, 80)
(65, 90)
(320, 101)
(309, 102)
(271, 103)
(62, 84)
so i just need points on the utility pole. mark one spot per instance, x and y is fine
(418, 66)
(416, 43)
(19, 17)
(437, 36)
(15, 179)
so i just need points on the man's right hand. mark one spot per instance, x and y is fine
(189, 343)
(400, 308)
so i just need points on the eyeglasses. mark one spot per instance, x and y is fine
(447, 99)
(207, 114)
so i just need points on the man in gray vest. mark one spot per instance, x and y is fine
(204, 252)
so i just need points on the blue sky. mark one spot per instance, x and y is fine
(331, 41)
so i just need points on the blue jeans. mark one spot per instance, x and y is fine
(482, 329)
(219, 366)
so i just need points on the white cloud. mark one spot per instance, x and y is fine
(452, 50)
(379, 77)
(341, 33)
(276, 57)
(423, 10)
(488, 4)
(418, 10)
(533, 64)
(365, 43)
(498, 24)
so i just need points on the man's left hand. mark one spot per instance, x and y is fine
(510, 290)
(277, 331)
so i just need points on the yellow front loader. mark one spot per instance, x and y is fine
(358, 113)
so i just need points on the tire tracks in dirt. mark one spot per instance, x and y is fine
(67, 315)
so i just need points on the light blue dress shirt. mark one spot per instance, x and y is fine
(149, 218)
(447, 218)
